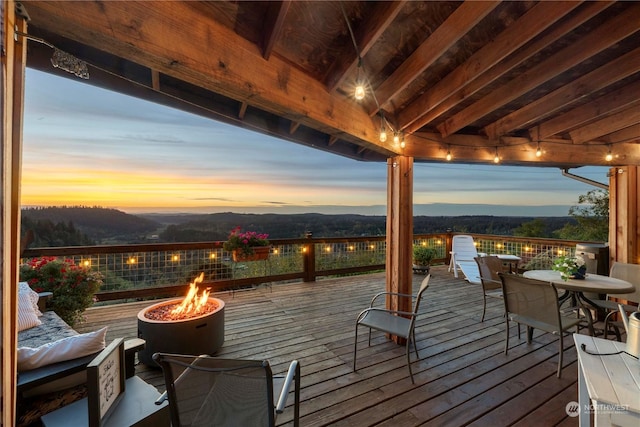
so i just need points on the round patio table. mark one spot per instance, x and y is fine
(593, 283)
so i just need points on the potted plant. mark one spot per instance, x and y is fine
(422, 257)
(73, 286)
(570, 267)
(247, 245)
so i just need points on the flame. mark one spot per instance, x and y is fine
(192, 303)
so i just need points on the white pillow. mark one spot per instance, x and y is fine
(27, 317)
(61, 350)
(23, 287)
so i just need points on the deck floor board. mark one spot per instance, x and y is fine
(463, 377)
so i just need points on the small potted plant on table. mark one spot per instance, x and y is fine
(422, 257)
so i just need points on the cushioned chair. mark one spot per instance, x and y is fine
(630, 273)
(463, 252)
(210, 391)
(535, 303)
(490, 268)
(398, 323)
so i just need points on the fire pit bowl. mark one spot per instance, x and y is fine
(202, 334)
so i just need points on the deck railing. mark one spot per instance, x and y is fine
(154, 270)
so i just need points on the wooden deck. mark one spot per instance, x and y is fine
(463, 378)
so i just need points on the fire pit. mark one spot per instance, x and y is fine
(190, 325)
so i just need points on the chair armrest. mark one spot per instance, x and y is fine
(131, 347)
(45, 374)
(43, 300)
(292, 374)
(379, 294)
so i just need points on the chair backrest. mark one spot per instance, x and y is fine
(490, 268)
(209, 391)
(630, 273)
(533, 299)
(463, 247)
(416, 306)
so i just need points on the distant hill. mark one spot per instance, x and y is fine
(68, 226)
(95, 222)
(217, 226)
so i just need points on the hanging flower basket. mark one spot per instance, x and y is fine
(260, 253)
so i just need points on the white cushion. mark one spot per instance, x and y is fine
(23, 287)
(61, 350)
(27, 317)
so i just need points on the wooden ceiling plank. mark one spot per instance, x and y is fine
(530, 25)
(460, 94)
(606, 126)
(273, 23)
(545, 106)
(366, 36)
(457, 25)
(629, 134)
(159, 38)
(596, 41)
(610, 103)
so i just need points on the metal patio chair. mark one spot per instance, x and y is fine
(490, 268)
(210, 391)
(394, 322)
(534, 303)
(630, 273)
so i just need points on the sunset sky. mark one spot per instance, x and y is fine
(88, 146)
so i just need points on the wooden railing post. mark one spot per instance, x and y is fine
(309, 259)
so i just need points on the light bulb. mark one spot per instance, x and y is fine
(402, 144)
(359, 93)
(396, 139)
(448, 156)
(609, 156)
(383, 135)
(538, 151)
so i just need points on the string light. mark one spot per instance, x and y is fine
(402, 143)
(449, 154)
(396, 138)
(538, 151)
(359, 92)
(496, 159)
(609, 155)
(383, 130)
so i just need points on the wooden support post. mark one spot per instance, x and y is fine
(624, 205)
(399, 273)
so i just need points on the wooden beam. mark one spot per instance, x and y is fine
(366, 36)
(624, 208)
(457, 25)
(294, 126)
(516, 151)
(610, 103)
(243, 110)
(606, 125)
(158, 38)
(531, 24)
(332, 140)
(273, 21)
(155, 80)
(545, 106)
(593, 43)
